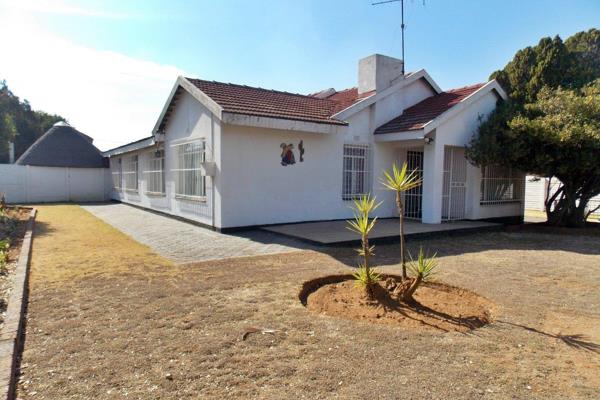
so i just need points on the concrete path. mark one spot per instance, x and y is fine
(183, 242)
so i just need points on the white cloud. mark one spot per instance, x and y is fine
(110, 96)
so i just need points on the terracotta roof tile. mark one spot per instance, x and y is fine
(248, 100)
(415, 117)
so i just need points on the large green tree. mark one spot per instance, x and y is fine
(19, 123)
(549, 126)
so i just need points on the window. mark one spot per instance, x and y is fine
(130, 173)
(501, 185)
(356, 171)
(189, 181)
(116, 173)
(155, 176)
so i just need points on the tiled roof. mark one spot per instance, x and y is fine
(63, 146)
(415, 117)
(248, 100)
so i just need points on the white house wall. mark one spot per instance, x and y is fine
(458, 131)
(190, 121)
(258, 190)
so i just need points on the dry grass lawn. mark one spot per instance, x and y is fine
(108, 319)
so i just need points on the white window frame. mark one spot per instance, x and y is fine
(501, 185)
(356, 174)
(130, 174)
(116, 173)
(155, 174)
(190, 180)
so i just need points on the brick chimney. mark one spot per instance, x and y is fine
(378, 72)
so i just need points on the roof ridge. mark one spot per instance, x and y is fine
(464, 87)
(257, 88)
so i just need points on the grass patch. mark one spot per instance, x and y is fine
(71, 243)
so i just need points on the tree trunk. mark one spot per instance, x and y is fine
(369, 284)
(408, 295)
(567, 212)
(401, 216)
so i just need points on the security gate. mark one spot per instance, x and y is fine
(413, 198)
(455, 184)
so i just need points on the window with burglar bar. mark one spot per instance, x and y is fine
(501, 185)
(355, 171)
(116, 174)
(155, 173)
(130, 173)
(189, 181)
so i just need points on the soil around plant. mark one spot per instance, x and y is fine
(437, 306)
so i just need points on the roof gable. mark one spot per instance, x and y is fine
(63, 146)
(419, 115)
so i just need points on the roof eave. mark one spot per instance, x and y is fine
(129, 147)
(281, 123)
(401, 136)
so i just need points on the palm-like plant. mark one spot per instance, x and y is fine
(423, 269)
(363, 224)
(401, 181)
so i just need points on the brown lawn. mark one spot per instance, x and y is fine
(109, 319)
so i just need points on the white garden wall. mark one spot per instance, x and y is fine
(29, 184)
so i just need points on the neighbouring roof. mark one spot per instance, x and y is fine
(240, 99)
(131, 146)
(63, 146)
(417, 116)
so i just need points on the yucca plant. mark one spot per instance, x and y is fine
(423, 269)
(400, 181)
(363, 224)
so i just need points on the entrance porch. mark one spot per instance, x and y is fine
(336, 233)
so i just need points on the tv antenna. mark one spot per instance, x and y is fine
(402, 26)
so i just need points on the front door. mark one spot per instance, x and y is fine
(413, 198)
(455, 184)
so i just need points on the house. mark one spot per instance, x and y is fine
(62, 165)
(231, 156)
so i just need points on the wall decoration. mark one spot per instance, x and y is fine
(287, 155)
(301, 150)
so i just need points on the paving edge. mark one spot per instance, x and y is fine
(12, 330)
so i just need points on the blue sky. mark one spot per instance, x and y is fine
(299, 46)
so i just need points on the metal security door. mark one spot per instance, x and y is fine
(455, 184)
(413, 198)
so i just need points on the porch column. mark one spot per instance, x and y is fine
(433, 182)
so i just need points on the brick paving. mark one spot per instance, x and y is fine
(183, 242)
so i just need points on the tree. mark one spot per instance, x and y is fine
(19, 123)
(401, 181)
(557, 136)
(523, 132)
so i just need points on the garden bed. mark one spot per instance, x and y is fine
(13, 224)
(437, 306)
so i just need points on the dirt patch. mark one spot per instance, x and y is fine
(590, 229)
(437, 307)
(109, 320)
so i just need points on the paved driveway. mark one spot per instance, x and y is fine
(183, 242)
